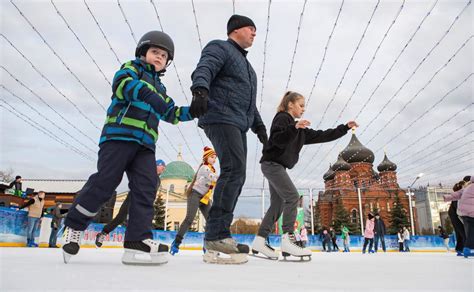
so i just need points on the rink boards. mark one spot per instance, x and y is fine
(13, 226)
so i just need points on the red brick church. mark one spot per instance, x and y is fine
(352, 170)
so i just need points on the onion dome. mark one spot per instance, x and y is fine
(329, 175)
(341, 164)
(356, 152)
(386, 165)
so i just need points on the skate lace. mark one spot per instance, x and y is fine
(293, 240)
(101, 237)
(151, 242)
(73, 235)
(267, 244)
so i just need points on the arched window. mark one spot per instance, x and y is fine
(171, 188)
(354, 216)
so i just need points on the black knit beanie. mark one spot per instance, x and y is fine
(238, 21)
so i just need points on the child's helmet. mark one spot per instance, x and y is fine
(158, 39)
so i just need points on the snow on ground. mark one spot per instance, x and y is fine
(42, 269)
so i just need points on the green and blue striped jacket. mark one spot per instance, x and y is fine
(139, 102)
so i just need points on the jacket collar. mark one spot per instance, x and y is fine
(235, 44)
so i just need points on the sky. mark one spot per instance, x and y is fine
(405, 77)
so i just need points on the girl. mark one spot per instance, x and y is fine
(287, 137)
(369, 233)
(199, 195)
(345, 238)
(400, 240)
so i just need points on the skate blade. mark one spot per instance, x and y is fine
(140, 258)
(66, 257)
(295, 258)
(214, 257)
(261, 255)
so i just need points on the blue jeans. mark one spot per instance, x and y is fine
(32, 227)
(53, 237)
(406, 242)
(230, 144)
(378, 237)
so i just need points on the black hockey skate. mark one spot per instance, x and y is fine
(72, 243)
(146, 252)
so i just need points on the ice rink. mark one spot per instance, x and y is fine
(42, 269)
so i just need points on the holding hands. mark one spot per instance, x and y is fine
(352, 124)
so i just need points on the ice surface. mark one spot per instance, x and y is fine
(42, 269)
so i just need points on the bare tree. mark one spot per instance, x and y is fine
(7, 175)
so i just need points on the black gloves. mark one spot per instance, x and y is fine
(262, 134)
(199, 103)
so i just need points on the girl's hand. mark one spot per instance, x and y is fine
(352, 124)
(302, 124)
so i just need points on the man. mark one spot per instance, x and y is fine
(17, 184)
(224, 87)
(55, 224)
(35, 213)
(122, 214)
(379, 230)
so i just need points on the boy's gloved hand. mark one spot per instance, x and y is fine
(199, 103)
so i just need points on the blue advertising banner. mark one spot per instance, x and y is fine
(13, 225)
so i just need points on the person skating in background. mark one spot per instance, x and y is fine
(35, 214)
(333, 235)
(379, 232)
(326, 239)
(304, 236)
(127, 144)
(199, 195)
(55, 224)
(442, 233)
(122, 214)
(465, 198)
(400, 240)
(406, 239)
(346, 239)
(287, 137)
(369, 233)
(458, 226)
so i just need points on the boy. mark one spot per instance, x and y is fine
(127, 144)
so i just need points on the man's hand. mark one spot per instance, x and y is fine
(199, 103)
(262, 135)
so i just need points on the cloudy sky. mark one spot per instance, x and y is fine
(405, 76)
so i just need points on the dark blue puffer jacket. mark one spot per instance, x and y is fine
(232, 83)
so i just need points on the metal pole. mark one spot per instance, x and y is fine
(360, 211)
(166, 207)
(263, 198)
(411, 212)
(311, 208)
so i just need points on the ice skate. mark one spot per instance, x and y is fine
(100, 238)
(260, 245)
(290, 248)
(147, 252)
(225, 251)
(72, 243)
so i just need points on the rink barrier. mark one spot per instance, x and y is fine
(13, 226)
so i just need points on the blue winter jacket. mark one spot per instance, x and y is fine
(232, 84)
(139, 102)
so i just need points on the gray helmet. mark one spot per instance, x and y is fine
(158, 39)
